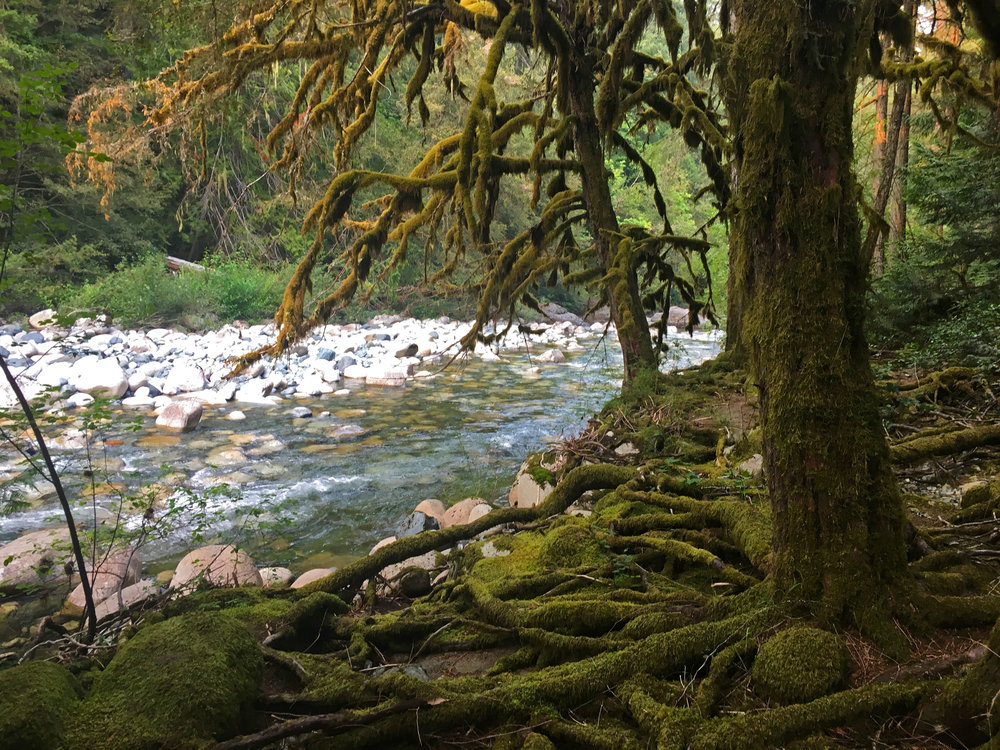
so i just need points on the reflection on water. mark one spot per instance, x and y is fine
(343, 481)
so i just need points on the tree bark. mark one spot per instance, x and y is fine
(614, 258)
(897, 217)
(796, 253)
(878, 158)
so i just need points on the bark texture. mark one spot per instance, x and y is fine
(796, 252)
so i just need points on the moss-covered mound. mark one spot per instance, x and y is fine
(36, 700)
(801, 664)
(181, 681)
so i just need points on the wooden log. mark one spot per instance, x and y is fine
(176, 264)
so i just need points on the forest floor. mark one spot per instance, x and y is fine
(630, 609)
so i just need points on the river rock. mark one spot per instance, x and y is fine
(478, 511)
(395, 576)
(276, 577)
(560, 314)
(117, 571)
(301, 412)
(551, 355)
(99, 377)
(37, 557)
(355, 372)
(348, 432)
(127, 597)
(79, 400)
(215, 565)
(458, 514)
(139, 402)
(256, 391)
(311, 576)
(526, 492)
(415, 523)
(184, 378)
(431, 507)
(679, 317)
(183, 416)
(42, 318)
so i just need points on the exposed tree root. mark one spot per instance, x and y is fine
(575, 483)
(647, 624)
(919, 447)
(929, 386)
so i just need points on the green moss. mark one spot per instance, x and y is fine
(535, 741)
(801, 664)
(176, 684)
(331, 682)
(36, 701)
(570, 545)
(541, 475)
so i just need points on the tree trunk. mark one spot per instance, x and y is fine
(796, 243)
(904, 89)
(897, 217)
(615, 261)
(878, 159)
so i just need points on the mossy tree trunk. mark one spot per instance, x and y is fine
(613, 256)
(796, 245)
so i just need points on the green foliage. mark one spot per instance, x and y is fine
(940, 301)
(146, 293)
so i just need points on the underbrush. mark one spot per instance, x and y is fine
(147, 293)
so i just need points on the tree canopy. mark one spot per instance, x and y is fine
(596, 91)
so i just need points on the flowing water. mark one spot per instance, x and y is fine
(336, 484)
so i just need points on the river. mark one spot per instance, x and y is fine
(301, 494)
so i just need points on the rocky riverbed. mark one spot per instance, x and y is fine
(307, 461)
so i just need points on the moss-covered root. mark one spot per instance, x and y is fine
(715, 686)
(919, 447)
(970, 705)
(687, 553)
(519, 699)
(303, 623)
(581, 479)
(930, 385)
(747, 526)
(681, 728)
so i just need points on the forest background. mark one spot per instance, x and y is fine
(206, 194)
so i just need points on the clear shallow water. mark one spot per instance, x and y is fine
(462, 433)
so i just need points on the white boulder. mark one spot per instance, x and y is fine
(180, 415)
(99, 377)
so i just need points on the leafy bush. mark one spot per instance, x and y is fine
(242, 291)
(147, 293)
(939, 298)
(968, 335)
